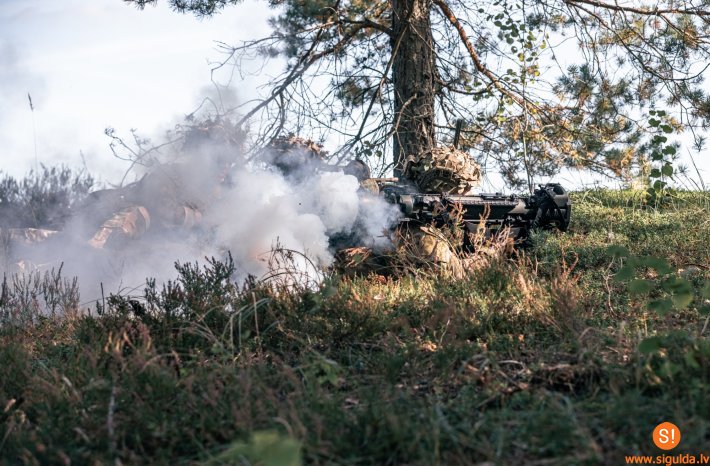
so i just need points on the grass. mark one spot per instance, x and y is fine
(531, 359)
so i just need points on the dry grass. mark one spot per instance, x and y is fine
(525, 358)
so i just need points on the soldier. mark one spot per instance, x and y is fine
(441, 170)
(169, 200)
(298, 158)
(172, 197)
(294, 157)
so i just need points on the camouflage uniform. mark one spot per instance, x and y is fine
(22, 241)
(171, 197)
(429, 246)
(25, 235)
(294, 156)
(442, 170)
(298, 158)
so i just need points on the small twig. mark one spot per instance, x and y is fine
(109, 418)
(256, 319)
(700, 178)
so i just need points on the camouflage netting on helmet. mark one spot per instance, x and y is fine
(358, 169)
(443, 170)
(292, 153)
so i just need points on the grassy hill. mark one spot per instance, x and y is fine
(543, 357)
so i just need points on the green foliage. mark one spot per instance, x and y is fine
(675, 357)
(662, 155)
(343, 64)
(197, 7)
(669, 288)
(43, 198)
(265, 448)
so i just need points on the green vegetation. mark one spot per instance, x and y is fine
(540, 358)
(43, 198)
(397, 76)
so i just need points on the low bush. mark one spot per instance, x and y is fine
(542, 357)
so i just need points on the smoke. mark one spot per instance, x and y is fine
(249, 211)
(265, 209)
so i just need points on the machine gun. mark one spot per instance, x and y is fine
(548, 208)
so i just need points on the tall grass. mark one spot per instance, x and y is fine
(529, 358)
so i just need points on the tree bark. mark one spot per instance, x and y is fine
(413, 79)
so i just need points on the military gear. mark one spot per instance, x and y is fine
(548, 208)
(130, 223)
(133, 222)
(442, 170)
(358, 169)
(292, 154)
(25, 235)
(173, 196)
(370, 186)
(428, 245)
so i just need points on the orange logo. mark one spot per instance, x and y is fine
(666, 436)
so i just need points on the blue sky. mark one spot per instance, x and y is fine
(98, 63)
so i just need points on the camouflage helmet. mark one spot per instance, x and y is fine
(358, 169)
(291, 153)
(217, 142)
(443, 170)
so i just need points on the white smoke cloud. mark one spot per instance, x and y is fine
(260, 210)
(265, 209)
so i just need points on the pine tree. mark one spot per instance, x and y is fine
(397, 71)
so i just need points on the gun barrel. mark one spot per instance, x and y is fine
(549, 207)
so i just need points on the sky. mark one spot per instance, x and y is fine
(92, 64)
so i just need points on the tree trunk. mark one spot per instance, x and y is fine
(413, 78)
